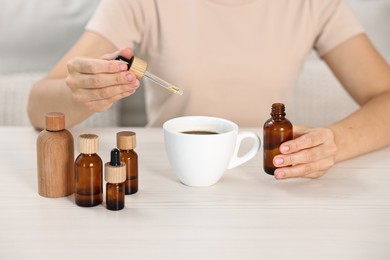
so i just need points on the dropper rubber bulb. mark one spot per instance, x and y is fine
(115, 157)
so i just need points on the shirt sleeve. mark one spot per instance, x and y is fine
(337, 23)
(119, 21)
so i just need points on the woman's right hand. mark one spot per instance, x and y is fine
(98, 83)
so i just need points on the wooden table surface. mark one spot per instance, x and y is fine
(246, 215)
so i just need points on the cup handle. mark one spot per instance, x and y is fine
(236, 161)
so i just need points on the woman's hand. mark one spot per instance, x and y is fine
(98, 83)
(310, 154)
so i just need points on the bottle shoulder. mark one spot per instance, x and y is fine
(63, 135)
(275, 123)
(55, 144)
(128, 153)
(89, 158)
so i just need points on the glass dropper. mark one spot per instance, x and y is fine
(163, 83)
(139, 66)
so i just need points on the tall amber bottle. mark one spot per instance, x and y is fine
(88, 172)
(115, 176)
(55, 158)
(126, 142)
(277, 130)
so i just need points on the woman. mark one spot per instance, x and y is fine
(232, 58)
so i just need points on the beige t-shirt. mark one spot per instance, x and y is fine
(232, 58)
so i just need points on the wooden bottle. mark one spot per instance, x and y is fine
(115, 176)
(126, 142)
(277, 130)
(55, 157)
(88, 172)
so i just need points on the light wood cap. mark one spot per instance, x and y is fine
(115, 174)
(138, 67)
(55, 121)
(126, 140)
(88, 143)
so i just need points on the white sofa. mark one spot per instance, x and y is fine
(34, 34)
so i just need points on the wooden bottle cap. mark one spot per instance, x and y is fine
(138, 67)
(55, 121)
(88, 143)
(115, 174)
(126, 140)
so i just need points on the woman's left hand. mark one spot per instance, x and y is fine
(310, 154)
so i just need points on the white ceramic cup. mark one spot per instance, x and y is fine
(201, 159)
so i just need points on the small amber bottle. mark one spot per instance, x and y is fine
(115, 176)
(88, 172)
(126, 142)
(277, 130)
(55, 158)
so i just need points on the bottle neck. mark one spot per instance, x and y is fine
(278, 112)
(126, 150)
(88, 154)
(49, 130)
(278, 117)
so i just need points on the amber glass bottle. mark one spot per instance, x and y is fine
(277, 130)
(115, 176)
(88, 172)
(126, 142)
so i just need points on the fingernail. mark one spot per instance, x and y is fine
(280, 174)
(284, 149)
(279, 161)
(130, 78)
(123, 66)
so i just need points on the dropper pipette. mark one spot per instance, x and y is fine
(138, 66)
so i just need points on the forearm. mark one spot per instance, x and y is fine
(365, 130)
(52, 95)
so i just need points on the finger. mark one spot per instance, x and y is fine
(308, 140)
(85, 65)
(107, 80)
(313, 175)
(304, 170)
(110, 56)
(97, 94)
(126, 52)
(303, 156)
(98, 81)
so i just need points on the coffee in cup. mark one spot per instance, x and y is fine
(200, 148)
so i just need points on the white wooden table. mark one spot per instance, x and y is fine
(247, 215)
